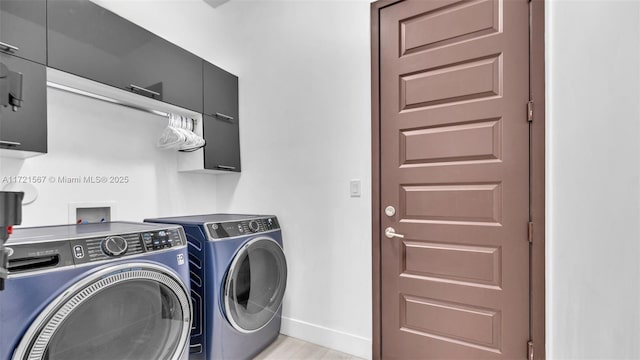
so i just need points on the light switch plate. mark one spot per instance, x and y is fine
(355, 188)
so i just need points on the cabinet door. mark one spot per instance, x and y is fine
(90, 41)
(220, 92)
(166, 69)
(221, 123)
(222, 151)
(26, 129)
(23, 29)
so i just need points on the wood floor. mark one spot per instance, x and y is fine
(291, 348)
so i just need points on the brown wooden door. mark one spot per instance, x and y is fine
(454, 144)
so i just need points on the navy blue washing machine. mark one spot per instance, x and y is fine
(104, 291)
(238, 279)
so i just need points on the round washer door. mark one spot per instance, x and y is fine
(129, 311)
(254, 285)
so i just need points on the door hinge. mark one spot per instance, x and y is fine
(530, 231)
(530, 111)
(530, 350)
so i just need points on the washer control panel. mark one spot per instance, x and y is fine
(156, 240)
(227, 229)
(114, 246)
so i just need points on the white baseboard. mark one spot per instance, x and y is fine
(330, 338)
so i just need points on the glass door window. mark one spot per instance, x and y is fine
(255, 285)
(135, 313)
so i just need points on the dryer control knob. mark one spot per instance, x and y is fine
(114, 245)
(254, 226)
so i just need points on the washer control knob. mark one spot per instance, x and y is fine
(114, 245)
(254, 226)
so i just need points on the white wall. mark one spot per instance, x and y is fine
(593, 118)
(88, 137)
(305, 115)
(305, 110)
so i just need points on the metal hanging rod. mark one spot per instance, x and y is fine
(105, 99)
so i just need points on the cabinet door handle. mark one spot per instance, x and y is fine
(223, 116)
(140, 88)
(226, 167)
(9, 143)
(8, 47)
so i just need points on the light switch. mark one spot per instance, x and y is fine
(355, 187)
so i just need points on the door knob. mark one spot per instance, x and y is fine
(391, 233)
(390, 210)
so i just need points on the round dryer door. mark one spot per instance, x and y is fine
(130, 311)
(255, 285)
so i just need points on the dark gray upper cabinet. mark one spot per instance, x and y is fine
(23, 30)
(222, 151)
(221, 122)
(165, 68)
(26, 129)
(89, 41)
(220, 92)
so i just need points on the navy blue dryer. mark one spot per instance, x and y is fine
(96, 291)
(238, 278)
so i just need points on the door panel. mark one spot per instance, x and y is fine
(454, 83)
(438, 260)
(428, 316)
(453, 202)
(437, 144)
(448, 24)
(473, 79)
